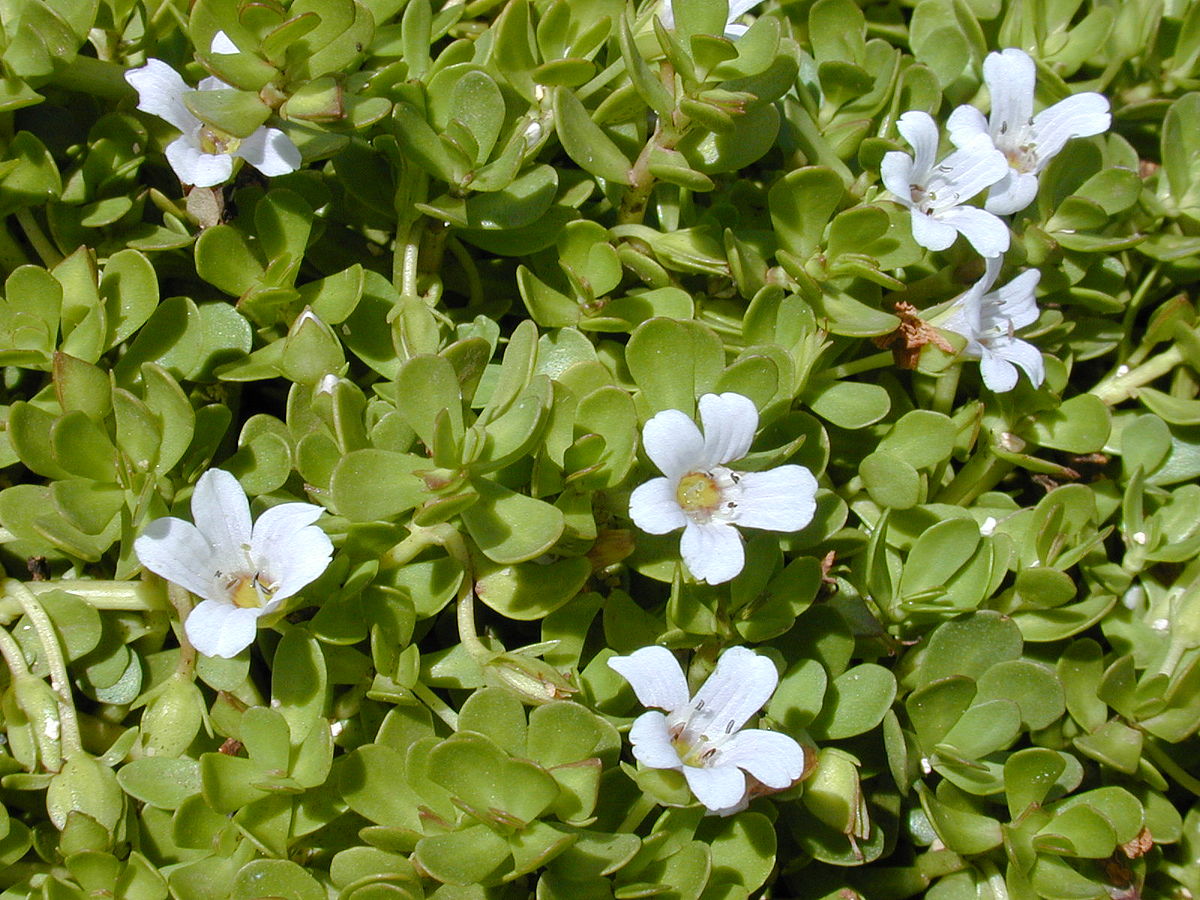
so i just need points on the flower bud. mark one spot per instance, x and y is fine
(170, 722)
(834, 794)
(533, 680)
(38, 702)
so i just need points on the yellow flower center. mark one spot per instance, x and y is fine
(248, 593)
(217, 142)
(698, 493)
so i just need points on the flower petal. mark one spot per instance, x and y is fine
(779, 499)
(223, 45)
(712, 552)
(998, 373)
(986, 233)
(966, 125)
(931, 233)
(1003, 353)
(666, 14)
(221, 629)
(739, 687)
(270, 151)
(673, 442)
(654, 507)
(1080, 115)
(1012, 193)
(717, 787)
(1016, 301)
(193, 166)
(655, 676)
(964, 173)
(741, 7)
(1010, 77)
(222, 513)
(770, 756)
(288, 550)
(921, 132)
(730, 421)
(177, 551)
(896, 170)
(160, 93)
(652, 742)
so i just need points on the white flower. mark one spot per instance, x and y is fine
(733, 30)
(202, 156)
(1027, 141)
(699, 736)
(705, 498)
(988, 320)
(936, 193)
(240, 572)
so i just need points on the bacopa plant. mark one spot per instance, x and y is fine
(599, 449)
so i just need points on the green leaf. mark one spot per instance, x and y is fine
(584, 141)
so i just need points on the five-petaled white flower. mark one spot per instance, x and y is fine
(240, 571)
(203, 156)
(1027, 141)
(733, 30)
(705, 498)
(936, 193)
(988, 320)
(700, 737)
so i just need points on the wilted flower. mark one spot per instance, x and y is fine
(700, 736)
(936, 193)
(240, 571)
(705, 498)
(988, 322)
(203, 156)
(733, 29)
(1027, 141)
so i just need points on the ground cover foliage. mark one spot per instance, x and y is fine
(518, 232)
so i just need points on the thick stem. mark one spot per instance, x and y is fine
(436, 704)
(59, 680)
(125, 596)
(1121, 387)
(13, 657)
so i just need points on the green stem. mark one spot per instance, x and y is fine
(470, 270)
(59, 680)
(980, 473)
(640, 809)
(13, 657)
(1120, 387)
(857, 366)
(944, 390)
(1164, 761)
(436, 704)
(33, 231)
(11, 257)
(405, 259)
(181, 599)
(125, 596)
(1131, 311)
